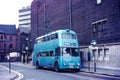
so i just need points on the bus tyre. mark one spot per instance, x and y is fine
(56, 67)
(37, 65)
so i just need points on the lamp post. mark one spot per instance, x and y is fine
(27, 49)
(28, 46)
(8, 57)
(70, 13)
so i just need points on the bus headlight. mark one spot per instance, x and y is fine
(64, 63)
(78, 64)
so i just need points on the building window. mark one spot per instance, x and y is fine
(99, 27)
(100, 53)
(94, 51)
(11, 38)
(106, 53)
(10, 46)
(99, 1)
(4, 46)
(1, 37)
(94, 28)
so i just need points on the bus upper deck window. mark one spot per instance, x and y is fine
(65, 36)
(56, 36)
(73, 36)
(68, 36)
(52, 36)
(48, 37)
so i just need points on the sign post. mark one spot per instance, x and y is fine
(89, 59)
(93, 43)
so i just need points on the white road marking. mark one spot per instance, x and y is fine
(20, 75)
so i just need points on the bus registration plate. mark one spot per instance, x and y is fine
(71, 66)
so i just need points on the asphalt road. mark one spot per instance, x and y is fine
(30, 73)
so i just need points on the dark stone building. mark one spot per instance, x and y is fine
(23, 43)
(96, 19)
(91, 19)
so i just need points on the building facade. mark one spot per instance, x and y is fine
(8, 38)
(23, 41)
(24, 32)
(92, 20)
(25, 17)
(96, 19)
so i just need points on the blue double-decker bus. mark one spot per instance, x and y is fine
(58, 50)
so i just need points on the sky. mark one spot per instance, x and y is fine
(9, 10)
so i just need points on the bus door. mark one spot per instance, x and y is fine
(58, 54)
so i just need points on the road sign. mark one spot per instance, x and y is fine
(93, 42)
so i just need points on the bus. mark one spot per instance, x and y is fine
(58, 50)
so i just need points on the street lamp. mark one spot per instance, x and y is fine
(8, 57)
(27, 47)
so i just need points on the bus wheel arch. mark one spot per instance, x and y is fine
(56, 66)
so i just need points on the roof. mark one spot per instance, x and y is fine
(2, 32)
(8, 29)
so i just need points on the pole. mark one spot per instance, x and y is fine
(95, 67)
(9, 64)
(94, 63)
(89, 58)
(93, 43)
(38, 5)
(45, 18)
(70, 12)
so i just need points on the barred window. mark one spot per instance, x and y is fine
(99, 27)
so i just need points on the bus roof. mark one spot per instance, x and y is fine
(57, 31)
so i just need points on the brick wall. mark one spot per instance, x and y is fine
(85, 15)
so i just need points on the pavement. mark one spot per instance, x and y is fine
(109, 72)
(5, 75)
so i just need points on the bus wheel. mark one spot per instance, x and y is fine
(37, 65)
(56, 67)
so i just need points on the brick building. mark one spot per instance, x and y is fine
(8, 37)
(91, 19)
